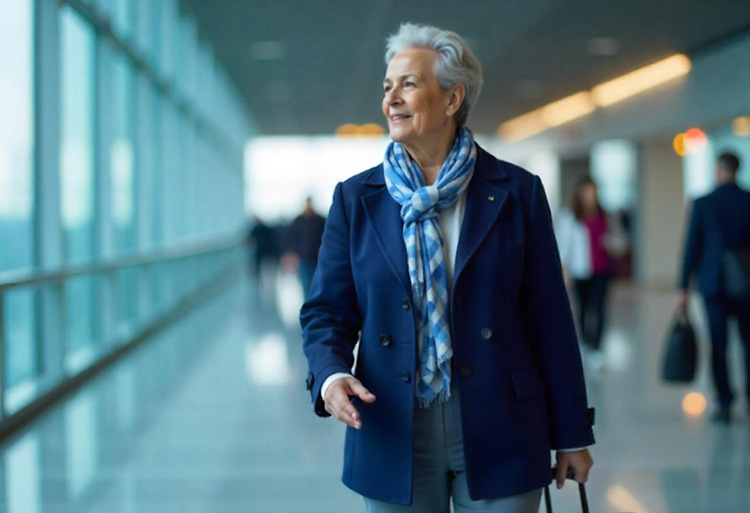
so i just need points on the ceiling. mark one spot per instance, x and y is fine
(308, 66)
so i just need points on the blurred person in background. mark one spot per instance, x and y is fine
(720, 222)
(442, 263)
(587, 237)
(303, 237)
(262, 241)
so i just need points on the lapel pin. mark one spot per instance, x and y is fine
(491, 198)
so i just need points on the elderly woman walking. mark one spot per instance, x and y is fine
(442, 263)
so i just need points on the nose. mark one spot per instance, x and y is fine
(392, 97)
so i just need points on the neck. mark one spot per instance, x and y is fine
(431, 153)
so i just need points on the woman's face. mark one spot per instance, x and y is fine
(413, 103)
(589, 196)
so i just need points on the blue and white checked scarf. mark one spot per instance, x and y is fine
(420, 210)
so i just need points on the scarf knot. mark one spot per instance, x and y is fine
(420, 211)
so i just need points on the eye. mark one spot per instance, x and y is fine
(386, 89)
(409, 84)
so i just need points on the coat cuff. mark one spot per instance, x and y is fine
(314, 383)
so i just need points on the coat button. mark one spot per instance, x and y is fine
(405, 304)
(385, 339)
(465, 370)
(406, 377)
(486, 333)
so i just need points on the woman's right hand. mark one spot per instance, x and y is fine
(337, 401)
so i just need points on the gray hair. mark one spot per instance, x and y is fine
(456, 63)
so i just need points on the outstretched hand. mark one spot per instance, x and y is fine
(337, 401)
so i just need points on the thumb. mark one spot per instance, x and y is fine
(360, 391)
(562, 470)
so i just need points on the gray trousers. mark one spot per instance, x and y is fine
(439, 473)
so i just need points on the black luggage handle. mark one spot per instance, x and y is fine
(581, 491)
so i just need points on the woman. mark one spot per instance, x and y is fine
(442, 262)
(586, 238)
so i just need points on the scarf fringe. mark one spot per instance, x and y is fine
(444, 396)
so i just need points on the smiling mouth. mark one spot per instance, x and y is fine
(399, 117)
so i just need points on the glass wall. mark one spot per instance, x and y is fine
(17, 217)
(132, 121)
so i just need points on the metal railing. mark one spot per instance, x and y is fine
(57, 277)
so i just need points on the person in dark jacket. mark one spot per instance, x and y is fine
(442, 263)
(303, 239)
(720, 222)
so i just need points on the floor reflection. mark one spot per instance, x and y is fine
(212, 416)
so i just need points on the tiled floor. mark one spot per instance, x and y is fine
(212, 416)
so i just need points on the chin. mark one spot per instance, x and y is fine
(398, 136)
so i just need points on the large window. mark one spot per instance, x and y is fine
(16, 135)
(77, 185)
(77, 134)
(122, 173)
(17, 186)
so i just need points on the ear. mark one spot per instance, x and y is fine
(455, 95)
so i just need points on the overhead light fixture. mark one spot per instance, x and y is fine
(679, 145)
(549, 116)
(583, 103)
(567, 109)
(695, 140)
(741, 126)
(641, 80)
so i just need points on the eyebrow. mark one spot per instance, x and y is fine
(401, 77)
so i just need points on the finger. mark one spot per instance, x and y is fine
(348, 420)
(562, 470)
(345, 410)
(582, 473)
(360, 391)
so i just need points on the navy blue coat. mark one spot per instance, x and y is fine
(719, 221)
(516, 359)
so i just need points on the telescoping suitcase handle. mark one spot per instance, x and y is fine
(581, 490)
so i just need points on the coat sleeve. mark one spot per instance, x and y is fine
(693, 243)
(548, 318)
(330, 317)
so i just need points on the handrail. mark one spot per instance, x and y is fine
(15, 279)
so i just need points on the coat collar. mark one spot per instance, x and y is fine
(484, 201)
(486, 165)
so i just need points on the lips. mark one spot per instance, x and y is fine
(399, 117)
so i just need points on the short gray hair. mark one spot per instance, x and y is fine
(456, 63)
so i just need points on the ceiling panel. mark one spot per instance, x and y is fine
(532, 51)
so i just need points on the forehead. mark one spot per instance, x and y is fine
(415, 61)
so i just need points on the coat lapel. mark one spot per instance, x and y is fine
(484, 201)
(385, 216)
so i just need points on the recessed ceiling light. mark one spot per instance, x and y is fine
(267, 50)
(603, 46)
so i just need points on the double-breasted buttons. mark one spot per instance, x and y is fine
(405, 377)
(405, 304)
(465, 370)
(385, 339)
(486, 333)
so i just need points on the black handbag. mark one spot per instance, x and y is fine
(737, 273)
(581, 492)
(681, 352)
